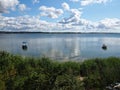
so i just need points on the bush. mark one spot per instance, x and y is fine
(21, 73)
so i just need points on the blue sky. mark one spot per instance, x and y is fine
(60, 15)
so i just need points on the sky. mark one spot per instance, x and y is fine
(60, 15)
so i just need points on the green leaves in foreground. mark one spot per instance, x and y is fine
(21, 73)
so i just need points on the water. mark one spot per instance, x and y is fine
(62, 46)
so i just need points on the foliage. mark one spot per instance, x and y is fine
(21, 73)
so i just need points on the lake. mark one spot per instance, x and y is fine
(61, 46)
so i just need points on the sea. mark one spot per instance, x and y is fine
(61, 47)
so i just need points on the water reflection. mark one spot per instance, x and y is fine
(56, 48)
(61, 46)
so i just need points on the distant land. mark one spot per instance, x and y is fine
(10, 32)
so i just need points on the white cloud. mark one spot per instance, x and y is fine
(35, 1)
(6, 5)
(104, 25)
(22, 23)
(74, 0)
(74, 14)
(74, 17)
(87, 2)
(22, 7)
(65, 6)
(32, 23)
(50, 12)
(109, 23)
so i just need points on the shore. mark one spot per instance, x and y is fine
(11, 32)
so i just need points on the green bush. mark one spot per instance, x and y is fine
(27, 73)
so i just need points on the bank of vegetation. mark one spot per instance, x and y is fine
(19, 73)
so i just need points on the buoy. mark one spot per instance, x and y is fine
(24, 46)
(104, 47)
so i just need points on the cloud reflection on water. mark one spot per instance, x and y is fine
(61, 47)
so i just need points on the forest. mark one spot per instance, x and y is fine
(27, 73)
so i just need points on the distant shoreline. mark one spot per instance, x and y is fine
(22, 32)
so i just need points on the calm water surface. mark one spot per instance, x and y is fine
(62, 46)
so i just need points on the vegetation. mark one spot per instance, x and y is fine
(18, 73)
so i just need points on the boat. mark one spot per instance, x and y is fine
(104, 47)
(24, 45)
